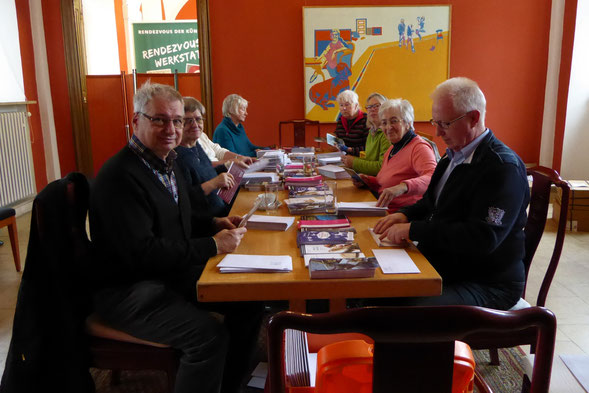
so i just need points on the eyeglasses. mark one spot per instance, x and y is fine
(394, 121)
(373, 106)
(163, 121)
(193, 120)
(446, 124)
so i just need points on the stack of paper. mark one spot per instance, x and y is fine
(269, 223)
(395, 261)
(239, 263)
(298, 362)
(330, 158)
(361, 209)
(333, 172)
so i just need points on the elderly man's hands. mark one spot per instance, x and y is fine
(226, 222)
(228, 239)
(388, 194)
(386, 222)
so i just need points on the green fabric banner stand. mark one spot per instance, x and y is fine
(166, 46)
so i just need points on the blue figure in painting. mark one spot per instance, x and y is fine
(421, 28)
(410, 38)
(401, 33)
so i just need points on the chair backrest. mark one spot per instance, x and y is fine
(299, 130)
(543, 179)
(430, 140)
(414, 346)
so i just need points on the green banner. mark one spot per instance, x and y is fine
(166, 46)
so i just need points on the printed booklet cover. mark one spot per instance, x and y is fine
(342, 268)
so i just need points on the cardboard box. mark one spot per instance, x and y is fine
(578, 211)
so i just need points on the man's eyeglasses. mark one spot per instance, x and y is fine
(446, 124)
(163, 121)
(373, 106)
(193, 120)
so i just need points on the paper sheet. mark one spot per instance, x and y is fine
(240, 263)
(395, 261)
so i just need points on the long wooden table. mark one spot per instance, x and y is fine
(296, 286)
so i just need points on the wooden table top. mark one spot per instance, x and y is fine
(296, 286)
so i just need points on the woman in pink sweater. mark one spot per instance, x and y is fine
(407, 165)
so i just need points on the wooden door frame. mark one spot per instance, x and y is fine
(75, 66)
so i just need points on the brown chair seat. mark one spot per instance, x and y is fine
(97, 328)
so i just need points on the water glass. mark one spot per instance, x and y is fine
(330, 197)
(271, 201)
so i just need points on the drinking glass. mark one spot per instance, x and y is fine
(271, 201)
(330, 197)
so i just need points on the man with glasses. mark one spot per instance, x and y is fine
(151, 246)
(469, 223)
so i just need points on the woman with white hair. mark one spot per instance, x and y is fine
(230, 133)
(376, 142)
(408, 164)
(351, 126)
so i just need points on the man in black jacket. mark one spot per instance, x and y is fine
(152, 243)
(469, 223)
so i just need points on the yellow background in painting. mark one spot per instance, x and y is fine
(398, 73)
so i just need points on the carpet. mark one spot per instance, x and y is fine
(508, 375)
(505, 378)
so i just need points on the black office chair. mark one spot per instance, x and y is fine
(414, 346)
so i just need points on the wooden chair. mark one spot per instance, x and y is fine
(414, 346)
(8, 219)
(543, 179)
(299, 127)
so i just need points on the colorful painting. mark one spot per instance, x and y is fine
(395, 51)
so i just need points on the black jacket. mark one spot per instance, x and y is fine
(140, 233)
(48, 351)
(475, 232)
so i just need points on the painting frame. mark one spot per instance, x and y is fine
(361, 48)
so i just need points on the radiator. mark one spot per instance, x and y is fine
(17, 181)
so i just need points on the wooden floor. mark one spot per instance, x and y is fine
(568, 297)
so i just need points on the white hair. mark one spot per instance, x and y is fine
(348, 96)
(465, 95)
(403, 106)
(149, 90)
(231, 104)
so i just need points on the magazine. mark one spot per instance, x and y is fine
(342, 268)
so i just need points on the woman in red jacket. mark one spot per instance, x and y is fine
(407, 165)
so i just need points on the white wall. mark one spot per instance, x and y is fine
(575, 152)
(100, 29)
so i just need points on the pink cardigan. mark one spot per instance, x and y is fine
(413, 165)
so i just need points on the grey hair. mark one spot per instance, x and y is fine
(403, 106)
(465, 94)
(348, 96)
(149, 90)
(379, 96)
(191, 104)
(231, 104)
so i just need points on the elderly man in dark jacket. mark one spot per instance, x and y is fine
(470, 222)
(152, 243)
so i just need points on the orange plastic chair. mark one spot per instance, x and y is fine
(346, 367)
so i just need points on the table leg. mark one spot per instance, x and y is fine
(337, 305)
(298, 305)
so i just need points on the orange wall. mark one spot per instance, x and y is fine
(257, 50)
(30, 83)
